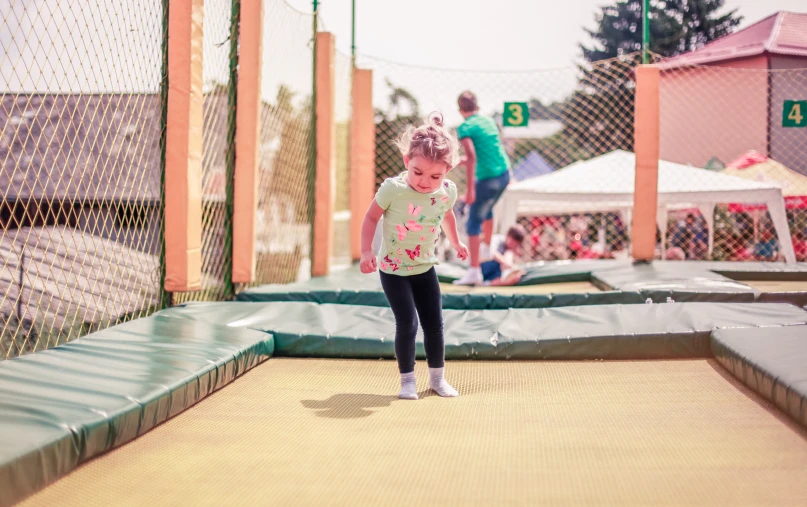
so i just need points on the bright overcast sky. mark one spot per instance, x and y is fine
(483, 34)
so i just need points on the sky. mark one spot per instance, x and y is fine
(111, 46)
(495, 37)
(483, 34)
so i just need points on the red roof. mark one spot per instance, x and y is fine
(783, 33)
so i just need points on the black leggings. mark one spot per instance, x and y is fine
(410, 297)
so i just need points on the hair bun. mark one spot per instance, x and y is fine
(436, 118)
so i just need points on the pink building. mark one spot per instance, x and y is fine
(727, 98)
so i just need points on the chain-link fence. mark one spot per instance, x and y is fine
(579, 115)
(342, 111)
(286, 149)
(83, 117)
(80, 167)
(746, 139)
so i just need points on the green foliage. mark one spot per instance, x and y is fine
(291, 164)
(676, 26)
(390, 124)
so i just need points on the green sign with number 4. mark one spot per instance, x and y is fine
(516, 114)
(795, 113)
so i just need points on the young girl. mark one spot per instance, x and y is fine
(414, 206)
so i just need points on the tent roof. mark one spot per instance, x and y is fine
(782, 33)
(757, 167)
(532, 165)
(614, 173)
(607, 183)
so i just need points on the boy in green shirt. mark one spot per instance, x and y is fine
(488, 172)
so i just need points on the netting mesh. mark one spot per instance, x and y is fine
(286, 150)
(342, 112)
(733, 122)
(80, 165)
(575, 114)
(217, 152)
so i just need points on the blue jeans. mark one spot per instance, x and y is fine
(491, 270)
(488, 193)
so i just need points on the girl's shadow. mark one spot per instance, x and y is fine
(348, 406)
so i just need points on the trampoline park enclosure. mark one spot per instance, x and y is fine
(183, 322)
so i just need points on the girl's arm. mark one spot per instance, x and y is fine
(371, 218)
(450, 228)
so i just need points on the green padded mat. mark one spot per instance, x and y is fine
(621, 282)
(63, 406)
(586, 332)
(772, 362)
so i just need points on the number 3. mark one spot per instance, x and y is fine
(795, 113)
(517, 118)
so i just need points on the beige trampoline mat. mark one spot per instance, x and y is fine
(545, 288)
(777, 286)
(329, 432)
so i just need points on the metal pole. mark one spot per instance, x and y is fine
(312, 164)
(165, 296)
(22, 286)
(353, 35)
(232, 105)
(646, 32)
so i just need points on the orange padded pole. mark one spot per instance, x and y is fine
(646, 145)
(183, 158)
(325, 185)
(247, 127)
(362, 155)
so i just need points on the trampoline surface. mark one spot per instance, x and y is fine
(331, 432)
(777, 285)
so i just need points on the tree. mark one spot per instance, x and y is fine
(676, 26)
(604, 101)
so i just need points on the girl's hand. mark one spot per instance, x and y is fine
(462, 250)
(368, 263)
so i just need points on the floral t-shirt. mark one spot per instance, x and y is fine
(412, 223)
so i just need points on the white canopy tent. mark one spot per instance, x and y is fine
(606, 183)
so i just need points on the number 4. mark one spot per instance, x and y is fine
(795, 113)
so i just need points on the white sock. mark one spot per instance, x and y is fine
(409, 388)
(472, 277)
(440, 385)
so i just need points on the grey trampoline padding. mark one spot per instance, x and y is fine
(582, 332)
(666, 279)
(772, 362)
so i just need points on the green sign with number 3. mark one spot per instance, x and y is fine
(516, 114)
(795, 113)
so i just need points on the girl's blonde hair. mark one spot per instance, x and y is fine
(431, 141)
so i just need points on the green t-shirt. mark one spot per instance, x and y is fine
(491, 158)
(412, 223)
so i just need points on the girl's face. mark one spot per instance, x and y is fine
(511, 243)
(424, 175)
